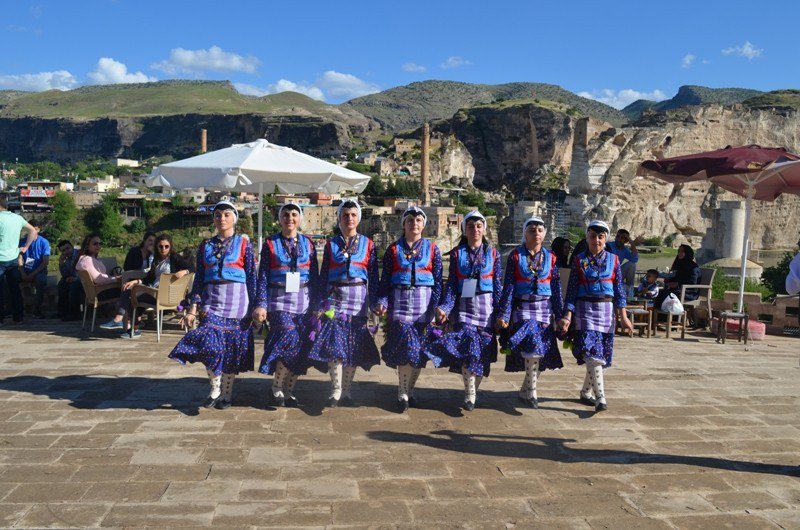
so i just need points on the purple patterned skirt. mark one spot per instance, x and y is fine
(466, 344)
(221, 344)
(532, 336)
(405, 343)
(593, 345)
(346, 339)
(287, 341)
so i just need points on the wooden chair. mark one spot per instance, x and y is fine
(704, 298)
(92, 291)
(168, 295)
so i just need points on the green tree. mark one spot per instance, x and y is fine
(375, 188)
(177, 201)
(106, 219)
(63, 217)
(358, 168)
(152, 210)
(775, 277)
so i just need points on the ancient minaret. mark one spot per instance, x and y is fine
(425, 166)
(203, 140)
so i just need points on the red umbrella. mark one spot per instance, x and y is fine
(751, 171)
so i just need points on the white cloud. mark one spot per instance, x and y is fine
(746, 50)
(454, 61)
(282, 85)
(24, 29)
(110, 72)
(60, 80)
(213, 59)
(622, 98)
(344, 86)
(688, 59)
(414, 67)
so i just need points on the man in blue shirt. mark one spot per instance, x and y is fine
(11, 227)
(34, 261)
(627, 256)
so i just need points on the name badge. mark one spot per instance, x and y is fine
(292, 282)
(29, 263)
(468, 289)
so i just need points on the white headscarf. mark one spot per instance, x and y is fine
(227, 205)
(599, 226)
(533, 220)
(351, 203)
(415, 210)
(291, 206)
(475, 214)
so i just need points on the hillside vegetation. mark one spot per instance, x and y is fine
(776, 99)
(163, 98)
(407, 107)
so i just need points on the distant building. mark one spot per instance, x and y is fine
(125, 162)
(34, 195)
(104, 185)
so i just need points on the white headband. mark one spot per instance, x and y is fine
(598, 224)
(533, 220)
(413, 210)
(291, 206)
(227, 205)
(351, 203)
(475, 214)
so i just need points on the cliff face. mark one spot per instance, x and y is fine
(63, 140)
(649, 206)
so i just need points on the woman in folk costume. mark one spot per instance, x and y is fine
(224, 289)
(531, 303)
(594, 293)
(411, 284)
(287, 287)
(348, 288)
(470, 299)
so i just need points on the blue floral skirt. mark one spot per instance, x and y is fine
(532, 336)
(347, 340)
(221, 344)
(287, 341)
(406, 344)
(466, 344)
(593, 345)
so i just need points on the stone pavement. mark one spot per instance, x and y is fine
(96, 431)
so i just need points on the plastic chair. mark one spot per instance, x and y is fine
(92, 291)
(168, 295)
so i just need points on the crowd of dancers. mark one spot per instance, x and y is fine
(320, 318)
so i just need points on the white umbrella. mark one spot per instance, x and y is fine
(255, 167)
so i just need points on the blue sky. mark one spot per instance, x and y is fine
(613, 51)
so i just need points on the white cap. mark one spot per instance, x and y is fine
(475, 214)
(291, 206)
(415, 210)
(351, 203)
(226, 205)
(533, 220)
(598, 226)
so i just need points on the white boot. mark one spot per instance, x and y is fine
(227, 391)
(528, 391)
(587, 394)
(403, 378)
(215, 381)
(597, 385)
(412, 382)
(347, 382)
(335, 371)
(470, 389)
(288, 388)
(278, 381)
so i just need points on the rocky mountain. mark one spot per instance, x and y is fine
(140, 120)
(409, 106)
(690, 95)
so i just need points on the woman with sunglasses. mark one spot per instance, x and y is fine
(594, 293)
(224, 292)
(470, 300)
(165, 261)
(531, 304)
(411, 284)
(287, 288)
(349, 277)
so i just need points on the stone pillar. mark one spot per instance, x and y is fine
(425, 165)
(203, 140)
(732, 217)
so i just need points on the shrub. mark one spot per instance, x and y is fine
(137, 226)
(724, 283)
(775, 277)
(654, 241)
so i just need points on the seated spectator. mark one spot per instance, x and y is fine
(89, 261)
(139, 258)
(70, 291)
(561, 247)
(625, 249)
(648, 287)
(685, 271)
(165, 261)
(34, 262)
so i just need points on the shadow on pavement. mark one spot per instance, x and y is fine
(556, 449)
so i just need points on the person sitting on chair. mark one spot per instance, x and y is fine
(648, 287)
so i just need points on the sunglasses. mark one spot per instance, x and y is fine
(163, 246)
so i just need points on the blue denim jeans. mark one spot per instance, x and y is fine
(10, 276)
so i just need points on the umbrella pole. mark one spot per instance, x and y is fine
(745, 244)
(260, 216)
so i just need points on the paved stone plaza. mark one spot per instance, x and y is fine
(106, 432)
